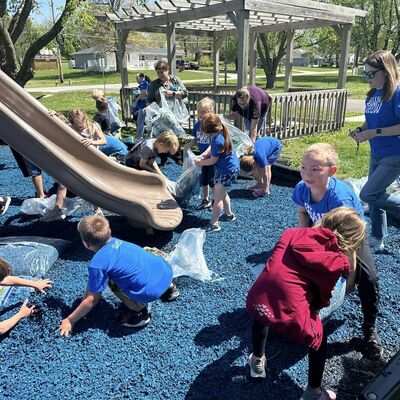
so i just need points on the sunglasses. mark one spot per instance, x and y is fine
(160, 69)
(370, 74)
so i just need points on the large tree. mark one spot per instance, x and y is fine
(14, 17)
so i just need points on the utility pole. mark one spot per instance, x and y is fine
(59, 63)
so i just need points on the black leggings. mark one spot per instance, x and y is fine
(316, 358)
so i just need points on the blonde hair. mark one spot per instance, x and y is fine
(169, 140)
(347, 225)
(97, 93)
(385, 61)
(326, 151)
(247, 163)
(94, 230)
(206, 103)
(79, 116)
(5, 269)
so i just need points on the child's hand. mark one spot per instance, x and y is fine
(42, 284)
(86, 142)
(65, 327)
(25, 310)
(197, 161)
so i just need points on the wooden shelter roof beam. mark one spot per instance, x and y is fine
(291, 26)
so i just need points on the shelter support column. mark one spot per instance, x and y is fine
(217, 42)
(243, 48)
(122, 62)
(344, 54)
(253, 59)
(171, 48)
(289, 60)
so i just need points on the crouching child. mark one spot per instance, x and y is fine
(134, 275)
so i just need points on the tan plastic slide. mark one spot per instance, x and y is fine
(140, 196)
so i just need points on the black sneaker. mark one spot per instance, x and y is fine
(212, 227)
(231, 217)
(205, 203)
(373, 347)
(134, 319)
(171, 294)
(4, 204)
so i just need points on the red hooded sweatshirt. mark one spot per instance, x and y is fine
(297, 282)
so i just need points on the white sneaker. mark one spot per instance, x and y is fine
(257, 366)
(376, 244)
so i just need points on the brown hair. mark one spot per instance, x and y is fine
(161, 64)
(212, 124)
(247, 163)
(5, 269)
(101, 104)
(325, 150)
(385, 61)
(347, 225)
(169, 140)
(79, 116)
(94, 230)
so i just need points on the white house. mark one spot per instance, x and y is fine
(138, 58)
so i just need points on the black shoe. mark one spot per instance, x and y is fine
(204, 204)
(171, 294)
(373, 347)
(4, 204)
(133, 319)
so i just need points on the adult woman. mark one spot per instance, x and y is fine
(382, 129)
(253, 104)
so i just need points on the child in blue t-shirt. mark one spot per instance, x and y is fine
(139, 101)
(318, 193)
(221, 154)
(258, 160)
(203, 141)
(134, 275)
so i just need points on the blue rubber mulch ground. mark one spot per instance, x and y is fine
(194, 348)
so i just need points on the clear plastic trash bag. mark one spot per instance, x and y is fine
(357, 185)
(240, 139)
(177, 107)
(187, 258)
(41, 206)
(337, 299)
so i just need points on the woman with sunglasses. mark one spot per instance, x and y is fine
(382, 129)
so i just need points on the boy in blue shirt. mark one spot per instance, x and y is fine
(134, 275)
(320, 192)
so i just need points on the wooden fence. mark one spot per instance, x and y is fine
(292, 114)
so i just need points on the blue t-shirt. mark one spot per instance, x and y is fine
(380, 114)
(338, 194)
(228, 163)
(142, 276)
(143, 86)
(203, 140)
(266, 151)
(113, 146)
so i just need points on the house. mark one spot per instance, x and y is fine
(138, 58)
(45, 61)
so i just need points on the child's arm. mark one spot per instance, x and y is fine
(352, 272)
(89, 301)
(151, 168)
(39, 285)
(208, 161)
(303, 219)
(9, 323)
(207, 152)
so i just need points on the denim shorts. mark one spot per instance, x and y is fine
(225, 180)
(274, 156)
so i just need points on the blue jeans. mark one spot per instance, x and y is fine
(140, 122)
(261, 129)
(382, 172)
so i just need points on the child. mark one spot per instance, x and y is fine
(258, 160)
(139, 101)
(101, 117)
(25, 311)
(221, 154)
(134, 275)
(113, 109)
(143, 155)
(320, 192)
(296, 283)
(203, 141)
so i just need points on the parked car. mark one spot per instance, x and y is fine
(187, 65)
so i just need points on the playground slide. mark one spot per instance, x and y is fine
(140, 196)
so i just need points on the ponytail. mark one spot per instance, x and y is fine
(227, 147)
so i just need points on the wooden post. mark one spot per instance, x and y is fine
(171, 48)
(344, 54)
(253, 59)
(289, 60)
(122, 62)
(243, 48)
(217, 40)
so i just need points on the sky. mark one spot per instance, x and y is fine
(45, 10)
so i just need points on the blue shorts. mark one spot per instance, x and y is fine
(225, 180)
(274, 155)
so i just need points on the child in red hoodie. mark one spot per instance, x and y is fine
(297, 282)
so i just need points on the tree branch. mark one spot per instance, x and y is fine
(18, 21)
(10, 64)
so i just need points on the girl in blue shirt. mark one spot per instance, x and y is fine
(139, 101)
(221, 154)
(382, 129)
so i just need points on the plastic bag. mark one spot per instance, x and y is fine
(177, 107)
(357, 185)
(187, 258)
(41, 206)
(337, 299)
(240, 140)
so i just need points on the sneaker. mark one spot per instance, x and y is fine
(254, 187)
(205, 203)
(257, 366)
(259, 193)
(324, 395)
(212, 227)
(231, 217)
(53, 215)
(4, 204)
(376, 243)
(171, 294)
(373, 347)
(134, 319)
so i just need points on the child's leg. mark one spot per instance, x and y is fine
(259, 338)
(219, 195)
(316, 365)
(268, 179)
(61, 195)
(38, 184)
(227, 204)
(206, 192)
(131, 304)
